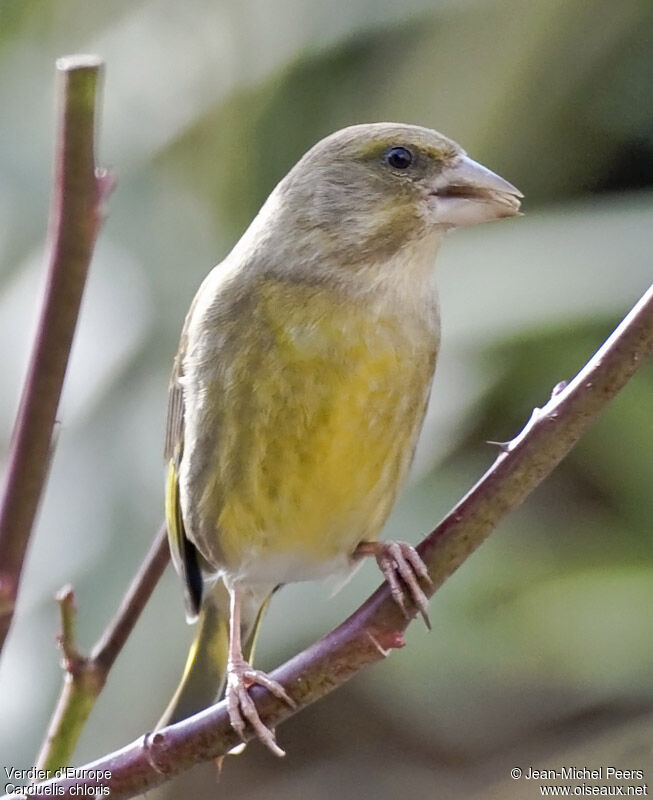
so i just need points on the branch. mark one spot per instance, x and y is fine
(75, 217)
(549, 435)
(378, 625)
(85, 676)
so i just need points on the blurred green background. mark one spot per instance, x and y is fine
(542, 647)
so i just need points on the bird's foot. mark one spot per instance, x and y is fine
(400, 562)
(240, 676)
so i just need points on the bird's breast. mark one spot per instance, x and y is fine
(320, 411)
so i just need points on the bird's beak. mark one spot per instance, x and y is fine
(466, 193)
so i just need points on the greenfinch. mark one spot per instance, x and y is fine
(300, 386)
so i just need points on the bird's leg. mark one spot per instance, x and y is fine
(240, 676)
(399, 562)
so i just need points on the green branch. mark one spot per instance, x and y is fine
(75, 218)
(84, 676)
(378, 625)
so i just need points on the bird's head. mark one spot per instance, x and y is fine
(367, 193)
(380, 185)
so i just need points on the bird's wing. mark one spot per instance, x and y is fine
(183, 552)
(174, 437)
(175, 419)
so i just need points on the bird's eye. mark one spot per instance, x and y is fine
(399, 157)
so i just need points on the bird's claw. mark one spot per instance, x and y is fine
(400, 562)
(241, 707)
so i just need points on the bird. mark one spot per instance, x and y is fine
(299, 390)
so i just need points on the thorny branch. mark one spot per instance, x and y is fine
(378, 625)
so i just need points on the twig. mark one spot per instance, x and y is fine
(75, 217)
(378, 625)
(85, 676)
(68, 637)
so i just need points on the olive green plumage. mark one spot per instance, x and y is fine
(302, 379)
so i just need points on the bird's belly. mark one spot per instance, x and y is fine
(319, 479)
(310, 453)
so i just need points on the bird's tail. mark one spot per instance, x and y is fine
(206, 666)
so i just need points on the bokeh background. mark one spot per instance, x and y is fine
(542, 646)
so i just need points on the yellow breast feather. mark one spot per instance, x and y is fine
(320, 434)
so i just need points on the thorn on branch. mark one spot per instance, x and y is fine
(385, 653)
(503, 446)
(387, 640)
(105, 181)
